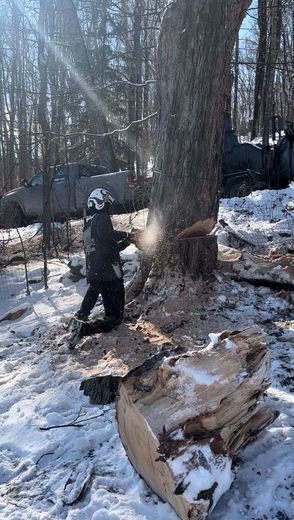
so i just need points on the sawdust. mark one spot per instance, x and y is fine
(119, 351)
(183, 315)
(201, 227)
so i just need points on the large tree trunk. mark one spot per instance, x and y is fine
(194, 55)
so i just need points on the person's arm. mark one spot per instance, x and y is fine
(106, 233)
(123, 239)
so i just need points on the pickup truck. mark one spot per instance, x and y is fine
(71, 187)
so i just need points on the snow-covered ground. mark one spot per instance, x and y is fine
(26, 232)
(267, 216)
(61, 458)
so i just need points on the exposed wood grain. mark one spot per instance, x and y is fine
(195, 411)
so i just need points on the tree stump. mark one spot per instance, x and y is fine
(199, 253)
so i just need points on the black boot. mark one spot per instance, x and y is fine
(82, 316)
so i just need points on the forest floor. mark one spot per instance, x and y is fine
(61, 457)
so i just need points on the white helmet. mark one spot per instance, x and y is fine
(98, 198)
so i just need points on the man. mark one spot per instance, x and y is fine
(103, 268)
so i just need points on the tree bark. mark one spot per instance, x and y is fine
(184, 415)
(194, 55)
(137, 57)
(45, 127)
(236, 86)
(260, 66)
(183, 420)
(274, 37)
(13, 100)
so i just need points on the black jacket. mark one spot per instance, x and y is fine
(102, 245)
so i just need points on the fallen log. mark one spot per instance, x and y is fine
(182, 421)
(275, 272)
(15, 314)
(241, 238)
(182, 417)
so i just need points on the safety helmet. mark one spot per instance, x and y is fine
(98, 198)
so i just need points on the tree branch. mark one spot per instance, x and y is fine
(75, 423)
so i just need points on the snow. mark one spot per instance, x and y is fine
(213, 469)
(77, 260)
(229, 344)
(79, 470)
(214, 338)
(264, 477)
(26, 233)
(178, 435)
(199, 376)
(258, 140)
(263, 217)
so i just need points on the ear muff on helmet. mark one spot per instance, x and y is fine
(99, 198)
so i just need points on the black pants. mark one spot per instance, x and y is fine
(113, 297)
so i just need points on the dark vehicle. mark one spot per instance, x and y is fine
(71, 187)
(248, 167)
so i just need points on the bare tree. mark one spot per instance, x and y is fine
(44, 124)
(260, 66)
(194, 56)
(285, 72)
(274, 37)
(100, 61)
(236, 85)
(83, 76)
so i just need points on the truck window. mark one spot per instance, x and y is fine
(37, 180)
(59, 176)
(89, 170)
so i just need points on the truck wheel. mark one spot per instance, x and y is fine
(260, 185)
(12, 216)
(239, 188)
